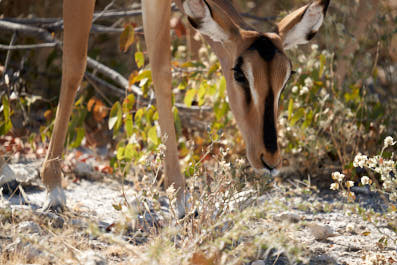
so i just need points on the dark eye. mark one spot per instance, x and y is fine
(239, 76)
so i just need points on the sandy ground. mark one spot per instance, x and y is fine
(335, 231)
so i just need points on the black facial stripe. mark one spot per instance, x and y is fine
(239, 76)
(269, 126)
(265, 47)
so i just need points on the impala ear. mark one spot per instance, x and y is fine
(206, 17)
(300, 26)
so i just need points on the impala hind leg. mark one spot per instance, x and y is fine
(156, 24)
(77, 17)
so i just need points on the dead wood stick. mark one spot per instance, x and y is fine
(29, 46)
(111, 90)
(26, 29)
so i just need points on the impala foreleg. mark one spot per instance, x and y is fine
(156, 23)
(77, 23)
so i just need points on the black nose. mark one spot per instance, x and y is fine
(266, 165)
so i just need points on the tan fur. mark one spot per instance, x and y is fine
(156, 17)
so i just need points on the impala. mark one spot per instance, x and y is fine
(254, 64)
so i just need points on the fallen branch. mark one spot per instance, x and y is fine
(113, 75)
(111, 90)
(30, 30)
(30, 46)
(97, 16)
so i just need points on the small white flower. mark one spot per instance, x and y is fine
(182, 48)
(365, 180)
(360, 160)
(6, 79)
(295, 89)
(389, 141)
(387, 185)
(338, 176)
(304, 90)
(372, 162)
(302, 58)
(349, 184)
(308, 82)
(334, 186)
(314, 47)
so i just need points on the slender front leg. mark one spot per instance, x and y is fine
(156, 24)
(77, 17)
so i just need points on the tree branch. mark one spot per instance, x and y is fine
(30, 30)
(30, 46)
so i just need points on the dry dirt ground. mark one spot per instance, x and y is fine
(330, 229)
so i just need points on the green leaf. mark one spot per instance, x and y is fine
(212, 90)
(129, 152)
(202, 92)
(222, 87)
(152, 134)
(178, 122)
(322, 65)
(128, 103)
(7, 126)
(139, 59)
(115, 117)
(297, 116)
(80, 133)
(129, 126)
(127, 37)
(138, 116)
(290, 108)
(142, 75)
(189, 97)
(120, 152)
(308, 119)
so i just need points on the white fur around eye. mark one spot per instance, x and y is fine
(311, 22)
(251, 81)
(287, 75)
(208, 25)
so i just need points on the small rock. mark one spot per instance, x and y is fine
(83, 170)
(321, 232)
(56, 221)
(29, 227)
(262, 199)
(258, 262)
(31, 252)
(6, 173)
(79, 223)
(287, 216)
(91, 258)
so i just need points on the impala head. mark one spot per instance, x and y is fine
(256, 67)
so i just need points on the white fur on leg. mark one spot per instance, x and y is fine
(180, 208)
(182, 205)
(56, 199)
